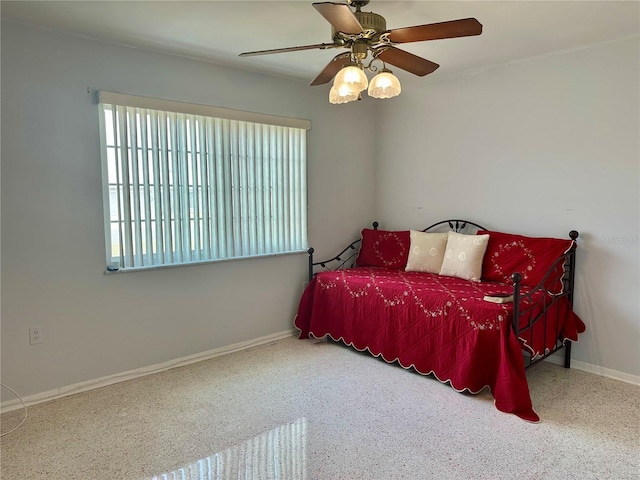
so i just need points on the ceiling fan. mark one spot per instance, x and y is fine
(365, 33)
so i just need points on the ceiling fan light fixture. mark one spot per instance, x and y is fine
(342, 94)
(353, 77)
(365, 35)
(384, 85)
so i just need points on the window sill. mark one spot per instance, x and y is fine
(199, 262)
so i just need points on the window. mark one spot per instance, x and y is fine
(188, 183)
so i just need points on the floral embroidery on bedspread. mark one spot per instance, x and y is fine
(411, 287)
(505, 249)
(485, 322)
(326, 285)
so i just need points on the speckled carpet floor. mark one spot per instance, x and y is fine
(301, 409)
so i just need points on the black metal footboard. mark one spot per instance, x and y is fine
(523, 304)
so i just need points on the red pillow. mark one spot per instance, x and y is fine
(380, 248)
(530, 256)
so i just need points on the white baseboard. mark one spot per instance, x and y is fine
(598, 370)
(14, 404)
(140, 372)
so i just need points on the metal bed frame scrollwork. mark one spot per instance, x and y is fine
(522, 303)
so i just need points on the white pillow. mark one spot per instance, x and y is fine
(463, 256)
(426, 251)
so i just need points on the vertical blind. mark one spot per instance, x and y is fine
(186, 187)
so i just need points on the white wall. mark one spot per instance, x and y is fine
(540, 147)
(52, 231)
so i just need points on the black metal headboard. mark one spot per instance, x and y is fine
(455, 225)
(347, 257)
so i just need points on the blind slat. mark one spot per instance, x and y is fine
(194, 212)
(303, 191)
(251, 189)
(135, 187)
(184, 190)
(294, 187)
(158, 252)
(146, 188)
(176, 198)
(279, 190)
(235, 190)
(213, 175)
(243, 186)
(204, 171)
(163, 126)
(259, 195)
(227, 193)
(288, 192)
(119, 186)
(223, 170)
(273, 185)
(266, 187)
(126, 191)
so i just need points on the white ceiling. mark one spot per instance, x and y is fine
(218, 31)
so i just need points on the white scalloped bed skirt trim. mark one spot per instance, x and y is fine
(413, 367)
(557, 358)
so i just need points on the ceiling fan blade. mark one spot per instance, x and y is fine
(321, 46)
(340, 16)
(331, 69)
(407, 61)
(436, 31)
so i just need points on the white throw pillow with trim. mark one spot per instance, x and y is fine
(426, 251)
(464, 255)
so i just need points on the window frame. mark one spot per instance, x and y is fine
(130, 261)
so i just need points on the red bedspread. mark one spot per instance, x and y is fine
(438, 325)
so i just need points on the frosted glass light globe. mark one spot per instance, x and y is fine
(384, 85)
(342, 94)
(353, 77)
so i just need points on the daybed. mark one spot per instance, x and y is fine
(418, 298)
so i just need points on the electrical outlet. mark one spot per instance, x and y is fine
(36, 335)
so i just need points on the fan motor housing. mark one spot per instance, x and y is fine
(370, 22)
